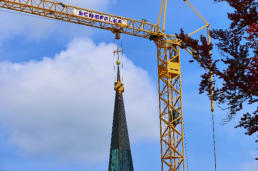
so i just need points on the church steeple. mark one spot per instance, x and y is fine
(120, 153)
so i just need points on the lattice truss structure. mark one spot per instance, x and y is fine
(168, 57)
(170, 107)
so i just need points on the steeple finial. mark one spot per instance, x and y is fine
(119, 87)
(120, 158)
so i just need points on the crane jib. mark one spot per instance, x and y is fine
(100, 17)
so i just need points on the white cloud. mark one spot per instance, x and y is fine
(63, 106)
(35, 27)
(250, 165)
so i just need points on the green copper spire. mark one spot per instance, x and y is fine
(120, 158)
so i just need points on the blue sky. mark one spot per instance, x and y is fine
(56, 86)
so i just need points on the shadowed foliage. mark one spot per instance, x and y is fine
(236, 69)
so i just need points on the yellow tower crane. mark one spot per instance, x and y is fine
(168, 59)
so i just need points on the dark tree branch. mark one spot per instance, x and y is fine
(239, 77)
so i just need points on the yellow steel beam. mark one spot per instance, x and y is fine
(188, 3)
(164, 16)
(199, 29)
(60, 11)
(160, 11)
(163, 5)
(170, 99)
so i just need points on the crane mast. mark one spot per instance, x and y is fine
(168, 60)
